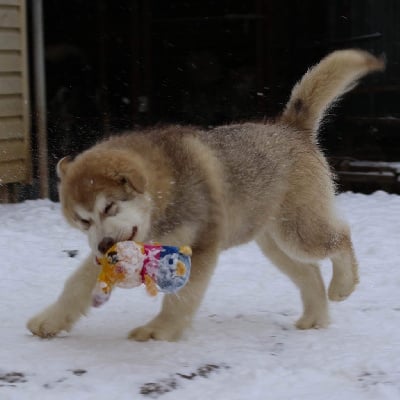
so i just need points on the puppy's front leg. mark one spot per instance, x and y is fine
(178, 309)
(73, 302)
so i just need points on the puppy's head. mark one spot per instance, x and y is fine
(104, 193)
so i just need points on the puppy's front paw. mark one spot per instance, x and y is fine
(50, 322)
(158, 331)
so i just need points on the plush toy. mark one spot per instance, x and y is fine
(129, 264)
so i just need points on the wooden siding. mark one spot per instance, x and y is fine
(15, 157)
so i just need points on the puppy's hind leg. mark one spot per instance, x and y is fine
(314, 233)
(345, 268)
(73, 302)
(308, 279)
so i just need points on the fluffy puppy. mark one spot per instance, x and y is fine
(212, 190)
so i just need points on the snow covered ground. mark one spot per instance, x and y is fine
(243, 344)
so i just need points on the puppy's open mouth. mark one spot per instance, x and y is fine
(131, 237)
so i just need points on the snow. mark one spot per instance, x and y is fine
(243, 344)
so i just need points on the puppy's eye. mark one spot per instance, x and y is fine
(110, 209)
(85, 223)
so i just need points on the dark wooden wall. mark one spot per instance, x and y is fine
(118, 65)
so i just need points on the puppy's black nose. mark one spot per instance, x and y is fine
(105, 244)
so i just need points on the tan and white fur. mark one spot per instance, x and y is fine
(212, 190)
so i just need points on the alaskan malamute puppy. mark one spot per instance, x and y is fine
(212, 190)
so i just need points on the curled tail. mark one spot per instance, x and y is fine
(318, 89)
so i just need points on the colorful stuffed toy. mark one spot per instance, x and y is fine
(129, 264)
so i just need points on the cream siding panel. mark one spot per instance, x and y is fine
(11, 150)
(10, 106)
(11, 128)
(13, 171)
(10, 62)
(10, 40)
(12, 2)
(10, 84)
(15, 158)
(9, 17)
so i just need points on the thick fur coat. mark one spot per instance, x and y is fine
(216, 189)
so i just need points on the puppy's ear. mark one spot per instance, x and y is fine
(133, 180)
(62, 166)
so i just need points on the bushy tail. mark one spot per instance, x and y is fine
(335, 75)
